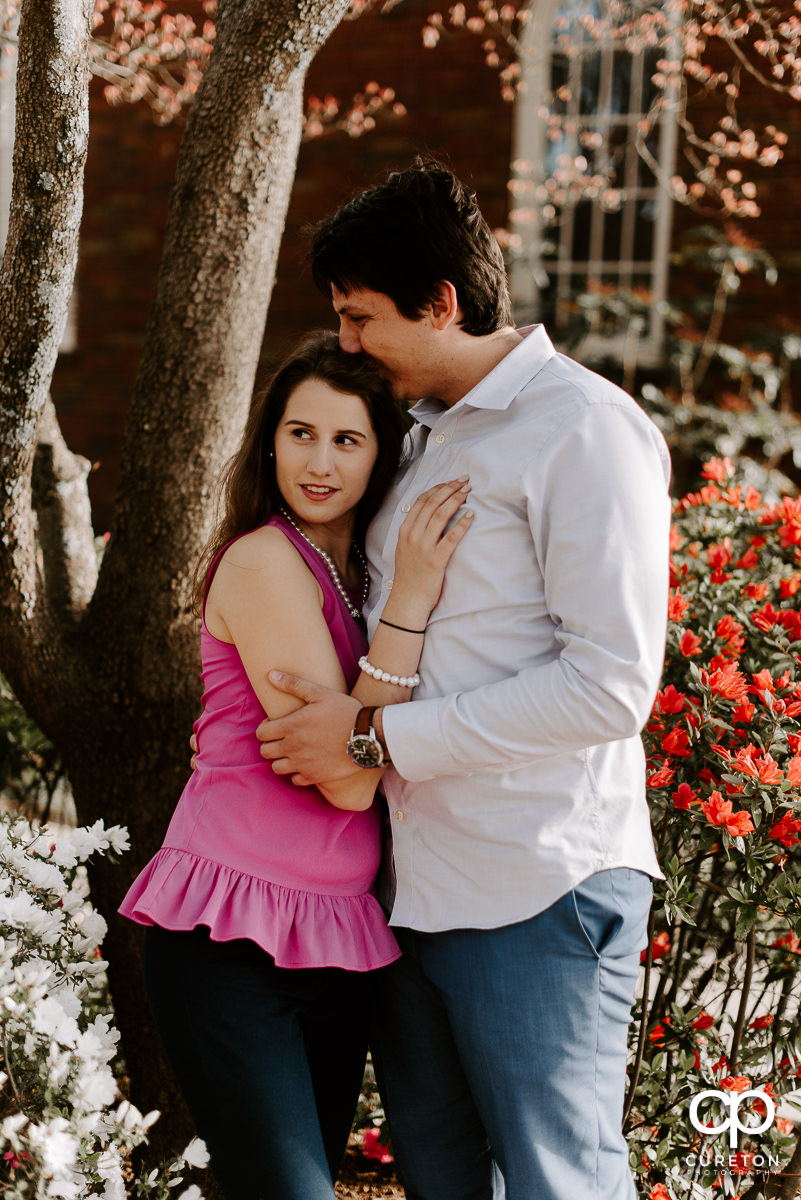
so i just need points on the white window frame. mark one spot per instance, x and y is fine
(531, 144)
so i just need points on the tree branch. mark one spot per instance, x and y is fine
(35, 285)
(63, 519)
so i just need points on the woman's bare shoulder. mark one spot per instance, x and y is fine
(264, 547)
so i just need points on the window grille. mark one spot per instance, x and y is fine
(592, 214)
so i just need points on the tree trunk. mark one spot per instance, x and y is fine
(113, 680)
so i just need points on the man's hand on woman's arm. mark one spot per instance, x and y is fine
(310, 744)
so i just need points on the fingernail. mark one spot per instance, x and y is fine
(462, 478)
(275, 676)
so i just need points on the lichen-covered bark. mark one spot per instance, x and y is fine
(35, 285)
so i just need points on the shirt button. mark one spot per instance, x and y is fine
(388, 584)
(440, 438)
(406, 508)
(399, 815)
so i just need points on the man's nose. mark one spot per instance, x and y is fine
(349, 339)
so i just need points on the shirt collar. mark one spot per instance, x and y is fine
(498, 389)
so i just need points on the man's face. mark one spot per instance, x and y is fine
(404, 351)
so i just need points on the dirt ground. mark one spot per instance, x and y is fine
(360, 1179)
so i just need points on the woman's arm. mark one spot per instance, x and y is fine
(264, 599)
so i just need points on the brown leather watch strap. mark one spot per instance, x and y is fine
(365, 719)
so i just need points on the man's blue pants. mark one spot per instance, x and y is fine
(504, 1050)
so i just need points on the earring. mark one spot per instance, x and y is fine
(271, 454)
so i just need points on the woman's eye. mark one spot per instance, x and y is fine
(344, 440)
(301, 434)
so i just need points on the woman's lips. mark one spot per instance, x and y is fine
(313, 492)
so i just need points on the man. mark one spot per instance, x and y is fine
(522, 843)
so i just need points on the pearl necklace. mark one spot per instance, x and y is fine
(356, 613)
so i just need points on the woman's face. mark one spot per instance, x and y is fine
(325, 451)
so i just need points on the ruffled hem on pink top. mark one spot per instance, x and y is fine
(177, 890)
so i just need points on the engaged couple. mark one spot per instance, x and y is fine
(511, 561)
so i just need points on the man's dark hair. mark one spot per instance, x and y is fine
(406, 235)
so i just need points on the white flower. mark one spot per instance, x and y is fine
(12, 1125)
(23, 912)
(118, 838)
(50, 1018)
(191, 1193)
(58, 1146)
(40, 874)
(60, 1062)
(94, 1088)
(109, 1168)
(196, 1154)
(93, 927)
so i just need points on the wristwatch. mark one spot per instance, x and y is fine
(364, 747)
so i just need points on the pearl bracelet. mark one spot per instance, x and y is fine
(409, 681)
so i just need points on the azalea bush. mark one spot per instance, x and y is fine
(721, 998)
(65, 1129)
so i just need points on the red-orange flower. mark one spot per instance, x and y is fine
(690, 644)
(786, 830)
(719, 812)
(659, 947)
(749, 560)
(677, 605)
(794, 770)
(659, 1032)
(676, 742)
(736, 1083)
(789, 942)
(718, 554)
(669, 700)
(765, 618)
(730, 683)
(703, 1020)
(742, 1162)
(763, 682)
(762, 1022)
(768, 769)
(717, 470)
(661, 778)
(684, 796)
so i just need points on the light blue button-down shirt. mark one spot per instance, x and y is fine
(519, 769)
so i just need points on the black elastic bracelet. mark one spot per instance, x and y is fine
(402, 628)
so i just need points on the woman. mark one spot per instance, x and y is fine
(264, 926)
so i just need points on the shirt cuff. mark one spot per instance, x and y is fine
(415, 742)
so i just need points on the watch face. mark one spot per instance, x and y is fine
(365, 750)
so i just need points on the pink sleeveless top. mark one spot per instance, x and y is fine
(251, 855)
